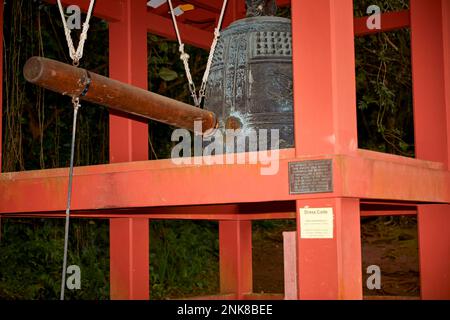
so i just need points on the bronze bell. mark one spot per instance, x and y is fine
(250, 84)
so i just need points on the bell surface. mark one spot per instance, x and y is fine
(250, 84)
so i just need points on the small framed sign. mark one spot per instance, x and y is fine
(312, 176)
(316, 223)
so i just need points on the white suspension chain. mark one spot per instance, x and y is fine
(198, 98)
(76, 54)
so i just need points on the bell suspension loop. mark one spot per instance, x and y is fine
(75, 55)
(197, 97)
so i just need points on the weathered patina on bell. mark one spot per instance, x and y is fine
(250, 84)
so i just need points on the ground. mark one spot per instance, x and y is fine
(390, 243)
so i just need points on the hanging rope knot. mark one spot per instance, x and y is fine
(184, 56)
(76, 54)
(85, 27)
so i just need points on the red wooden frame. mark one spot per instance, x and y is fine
(129, 193)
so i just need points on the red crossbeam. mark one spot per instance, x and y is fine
(367, 175)
(110, 10)
(389, 21)
(191, 35)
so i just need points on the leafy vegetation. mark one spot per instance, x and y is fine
(384, 86)
(183, 255)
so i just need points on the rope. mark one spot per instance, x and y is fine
(75, 55)
(185, 57)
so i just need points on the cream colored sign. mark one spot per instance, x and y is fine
(316, 223)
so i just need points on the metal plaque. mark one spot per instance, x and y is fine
(312, 176)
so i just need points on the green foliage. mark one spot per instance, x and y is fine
(37, 123)
(31, 259)
(183, 258)
(384, 86)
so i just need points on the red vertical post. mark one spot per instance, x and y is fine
(129, 237)
(434, 251)
(235, 10)
(330, 269)
(235, 251)
(325, 123)
(129, 259)
(235, 237)
(2, 4)
(430, 47)
(324, 77)
(428, 73)
(446, 37)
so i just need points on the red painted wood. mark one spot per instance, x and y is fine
(290, 265)
(389, 21)
(129, 238)
(434, 251)
(163, 27)
(128, 63)
(331, 268)
(324, 77)
(235, 239)
(428, 71)
(378, 213)
(183, 215)
(430, 48)
(150, 184)
(1, 91)
(1, 81)
(110, 10)
(283, 3)
(129, 258)
(235, 10)
(446, 37)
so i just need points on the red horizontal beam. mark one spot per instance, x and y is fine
(113, 214)
(283, 3)
(110, 10)
(190, 216)
(163, 27)
(377, 213)
(365, 175)
(389, 21)
(216, 6)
